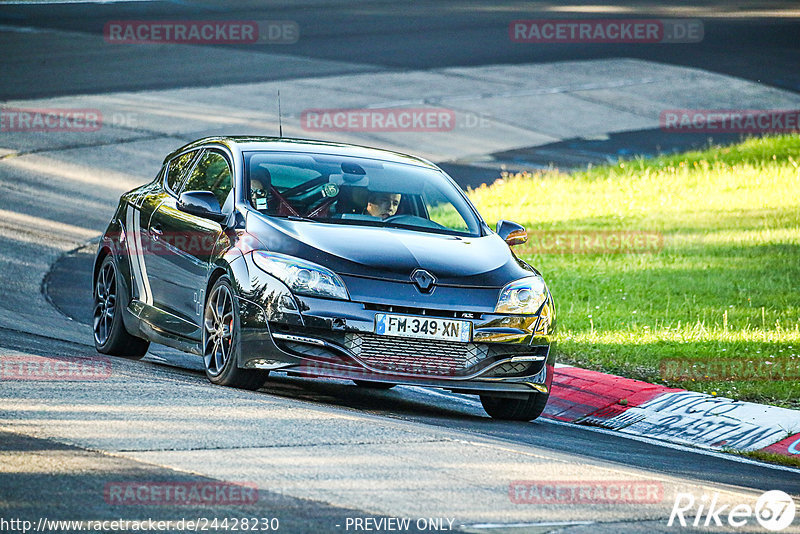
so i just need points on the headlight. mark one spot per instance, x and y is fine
(302, 277)
(525, 295)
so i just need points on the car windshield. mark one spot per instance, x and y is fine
(357, 191)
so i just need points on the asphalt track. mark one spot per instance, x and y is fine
(752, 40)
(72, 272)
(319, 451)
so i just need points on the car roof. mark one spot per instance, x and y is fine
(285, 144)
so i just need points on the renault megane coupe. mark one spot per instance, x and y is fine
(324, 260)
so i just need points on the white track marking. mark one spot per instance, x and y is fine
(642, 439)
(525, 525)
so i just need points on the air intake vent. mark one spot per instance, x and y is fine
(415, 356)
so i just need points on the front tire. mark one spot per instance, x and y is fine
(110, 335)
(515, 409)
(221, 335)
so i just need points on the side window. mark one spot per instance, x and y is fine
(211, 173)
(177, 168)
(442, 211)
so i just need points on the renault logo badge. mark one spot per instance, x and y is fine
(424, 280)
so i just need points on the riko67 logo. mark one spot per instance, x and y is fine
(774, 511)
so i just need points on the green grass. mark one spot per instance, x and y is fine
(725, 284)
(773, 458)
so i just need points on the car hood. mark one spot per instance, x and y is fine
(392, 253)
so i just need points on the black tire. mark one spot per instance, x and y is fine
(221, 336)
(108, 327)
(513, 409)
(373, 385)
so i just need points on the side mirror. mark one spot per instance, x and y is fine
(201, 203)
(511, 232)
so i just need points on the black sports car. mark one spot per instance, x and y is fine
(325, 260)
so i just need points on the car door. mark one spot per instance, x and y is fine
(185, 244)
(158, 256)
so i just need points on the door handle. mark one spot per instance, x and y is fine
(156, 232)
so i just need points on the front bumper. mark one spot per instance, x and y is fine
(509, 355)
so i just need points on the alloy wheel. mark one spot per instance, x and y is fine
(218, 327)
(105, 303)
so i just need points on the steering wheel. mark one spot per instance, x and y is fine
(394, 218)
(414, 220)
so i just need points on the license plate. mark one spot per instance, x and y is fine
(422, 327)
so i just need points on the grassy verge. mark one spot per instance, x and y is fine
(772, 458)
(722, 288)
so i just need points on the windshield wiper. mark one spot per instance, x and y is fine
(401, 225)
(424, 229)
(296, 218)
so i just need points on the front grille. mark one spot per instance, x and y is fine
(415, 356)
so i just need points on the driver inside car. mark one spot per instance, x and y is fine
(382, 205)
(260, 182)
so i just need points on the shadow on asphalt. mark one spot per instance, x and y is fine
(81, 489)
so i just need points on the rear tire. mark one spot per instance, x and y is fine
(373, 385)
(221, 336)
(110, 335)
(511, 409)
